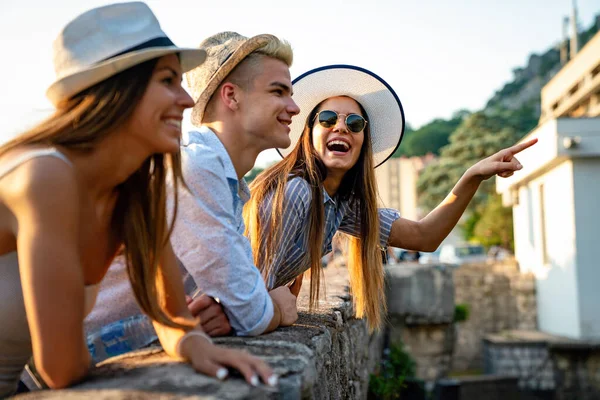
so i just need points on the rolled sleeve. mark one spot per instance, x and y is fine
(351, 224)
(387, 216)
(209, 240)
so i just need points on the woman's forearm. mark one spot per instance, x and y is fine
(65, 370)
(169, 338)
(438, 224)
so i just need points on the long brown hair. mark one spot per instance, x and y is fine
(358, 187)
(80, 123)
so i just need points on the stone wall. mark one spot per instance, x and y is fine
(421, 303)
(329, 354)
(522, 354)
(576, 370)
(421, 310)
(488, 387)
(562, 368)
(325, 355)
(499, 297)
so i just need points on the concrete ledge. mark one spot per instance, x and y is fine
(326, 354)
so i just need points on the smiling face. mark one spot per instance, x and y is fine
(156, 121)
(266, 105)
(337, 146)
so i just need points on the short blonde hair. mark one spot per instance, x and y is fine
(276, 48)
(244, 73)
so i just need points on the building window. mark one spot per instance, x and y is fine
(545, 257)
(596, 71)
(574, 89)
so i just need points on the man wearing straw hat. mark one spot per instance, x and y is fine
(243, 106)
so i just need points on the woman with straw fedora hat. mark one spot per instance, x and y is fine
(351, 121)
(89, 182)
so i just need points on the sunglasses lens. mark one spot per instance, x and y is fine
(355, 123)
(327, 118)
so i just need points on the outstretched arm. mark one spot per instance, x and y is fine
(428, 233)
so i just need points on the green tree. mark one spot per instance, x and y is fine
(478, 136)
(253, 173)
(495, 226)
(429, 138)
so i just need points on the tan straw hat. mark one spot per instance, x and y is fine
(225, 51)
(107, 40)
(383, 107)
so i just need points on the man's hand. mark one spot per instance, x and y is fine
(212, 317)
(286, 302)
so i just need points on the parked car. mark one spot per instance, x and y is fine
(396, 255)
(462, 254)
(430, 258)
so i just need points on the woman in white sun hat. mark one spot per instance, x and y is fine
(89, 182)
(351, 121)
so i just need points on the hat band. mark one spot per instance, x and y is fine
(162, 41)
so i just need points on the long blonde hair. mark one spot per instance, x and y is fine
(139, 219)
(358, 187)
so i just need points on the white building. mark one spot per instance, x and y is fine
(556, 200)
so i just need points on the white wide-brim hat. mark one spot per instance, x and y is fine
(107, 40)
(383, 107)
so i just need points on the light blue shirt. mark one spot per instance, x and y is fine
(291, 258)
(209, 234)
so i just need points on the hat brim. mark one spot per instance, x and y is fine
(72, 84)
(249, 46)
(383, 107)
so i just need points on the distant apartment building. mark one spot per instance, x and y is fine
(397, 184)
(556, 199)
(575, 90)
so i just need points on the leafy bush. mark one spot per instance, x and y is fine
(461, 312)
(495, 225)
(395, 368)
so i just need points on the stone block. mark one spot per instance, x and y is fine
(420, 294)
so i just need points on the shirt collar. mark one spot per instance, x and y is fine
(327, 197)
(210, 139)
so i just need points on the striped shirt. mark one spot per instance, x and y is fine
(291, 258)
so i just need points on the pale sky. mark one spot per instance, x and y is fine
(440, 56)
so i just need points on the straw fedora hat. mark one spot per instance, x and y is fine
(383, 107)
(107, 40)
(225, 51)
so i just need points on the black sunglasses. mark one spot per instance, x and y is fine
(328, 118)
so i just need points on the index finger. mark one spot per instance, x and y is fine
(517, 148)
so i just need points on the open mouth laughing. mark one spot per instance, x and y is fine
(338, 146)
